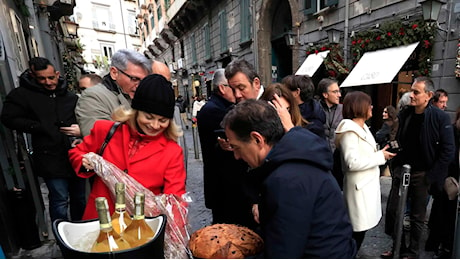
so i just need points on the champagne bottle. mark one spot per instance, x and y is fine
(138, 232)
(108, 240)
(120, 218)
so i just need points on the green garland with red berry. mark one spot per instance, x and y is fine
(334, 62)
(397, 33)
(389, 34)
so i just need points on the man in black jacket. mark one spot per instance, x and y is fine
(302, 212)
(43, 107)
(223, 175)
(426, 137)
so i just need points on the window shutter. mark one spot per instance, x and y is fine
(310, 7)
(331, 2)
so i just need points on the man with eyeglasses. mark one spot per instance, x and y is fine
(43, 107)
(330, 102)
(127, 69)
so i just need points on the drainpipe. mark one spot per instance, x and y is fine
(345, 36)
(448, 32)
(256, 41)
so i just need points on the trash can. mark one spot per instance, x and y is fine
(75, 239)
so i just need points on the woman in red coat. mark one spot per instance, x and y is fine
(144, 145)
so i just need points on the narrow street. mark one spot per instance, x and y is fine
(374, 244)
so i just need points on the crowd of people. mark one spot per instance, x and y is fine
(267, 151)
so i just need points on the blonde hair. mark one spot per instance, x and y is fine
(129, 115)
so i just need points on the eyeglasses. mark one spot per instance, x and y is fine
(132, 78)
(335, 91)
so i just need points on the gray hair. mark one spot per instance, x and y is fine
(429, 85)
(218, 79)
(121, 58)
(404, 101)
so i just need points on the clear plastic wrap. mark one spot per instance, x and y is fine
(174, 207)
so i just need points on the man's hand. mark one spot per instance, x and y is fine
(224, 144)
(73, 130)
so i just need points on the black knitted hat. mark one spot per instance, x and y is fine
(154, 95)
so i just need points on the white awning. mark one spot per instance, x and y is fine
(312, 63)
(377, 67)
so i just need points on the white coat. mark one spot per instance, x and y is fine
(360, 165)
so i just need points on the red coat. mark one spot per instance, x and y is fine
(158, 164)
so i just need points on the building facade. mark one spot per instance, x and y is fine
(195, 37)
(106, 26)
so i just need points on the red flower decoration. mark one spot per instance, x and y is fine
(211, 72)
(353, 42)
(426, 44)
(363, 45)
(414, 26)
(323, 48)
(308, 53)
(332, 73)
(378, 38)
(359, 41)
(389, 33)
(316, 51)
(201, 73)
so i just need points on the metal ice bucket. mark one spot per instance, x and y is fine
(75, 238)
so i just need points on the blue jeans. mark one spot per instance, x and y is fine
(64, 192)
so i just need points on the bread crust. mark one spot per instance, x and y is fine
(226, 241)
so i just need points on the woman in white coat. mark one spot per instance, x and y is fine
(360, 164)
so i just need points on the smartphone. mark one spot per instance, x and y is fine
(220, 133)
(394, 147)
(62, 124)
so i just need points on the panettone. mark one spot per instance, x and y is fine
(225, 241)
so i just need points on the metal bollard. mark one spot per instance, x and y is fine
(456, 246)
(405, 180)
(195, 139)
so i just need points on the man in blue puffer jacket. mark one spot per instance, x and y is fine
(301, 209)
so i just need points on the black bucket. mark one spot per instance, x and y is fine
(70, 234)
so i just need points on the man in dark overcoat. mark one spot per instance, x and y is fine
(224, 176)
(43, 107)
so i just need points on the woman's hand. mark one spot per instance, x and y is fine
(87, 164)
(283, 113)
(387, 154)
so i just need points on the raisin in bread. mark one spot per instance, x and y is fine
(225, 241)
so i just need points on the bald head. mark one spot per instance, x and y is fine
(162, 69)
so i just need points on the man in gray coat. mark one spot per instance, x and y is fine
(128, 68)
(330, 102)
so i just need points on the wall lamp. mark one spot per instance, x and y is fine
(431, 10)
(71, 28)
(333, 35)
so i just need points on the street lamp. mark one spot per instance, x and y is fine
(71, 28)
(289, 37)
(333, 35)
(431, 9)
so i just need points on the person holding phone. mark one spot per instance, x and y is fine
(223, 175)
(360, 164)
(43, 107)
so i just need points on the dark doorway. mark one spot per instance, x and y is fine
(281, 52)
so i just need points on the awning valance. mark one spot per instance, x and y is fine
(377, 67)
(312, 63)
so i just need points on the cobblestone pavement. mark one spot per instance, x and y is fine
(375, 242)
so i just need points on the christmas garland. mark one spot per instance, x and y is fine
(457, 67)
(334, 61)
(397, 33)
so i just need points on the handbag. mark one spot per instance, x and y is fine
(108, 137)
(451, 187)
